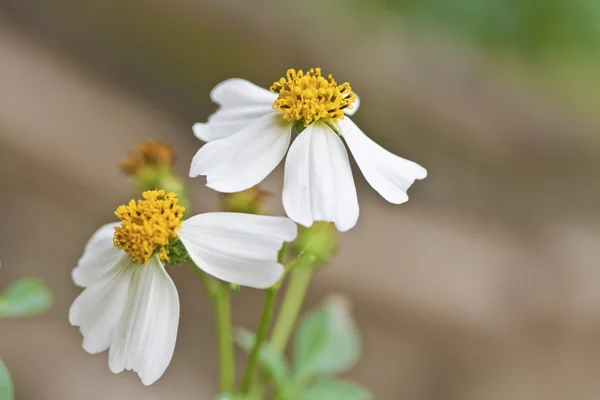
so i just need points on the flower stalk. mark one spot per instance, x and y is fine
(263, 327)
(261, 335)
(292, 302)
(222, 304)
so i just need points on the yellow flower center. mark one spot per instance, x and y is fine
(310, 97)
(148, 225)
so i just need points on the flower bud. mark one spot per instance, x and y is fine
(249, 201)
(316, 245)
(150, 165)
(148, 154)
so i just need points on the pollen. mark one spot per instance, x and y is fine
(309, 97)
(149, 225)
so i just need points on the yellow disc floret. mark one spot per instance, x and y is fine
(310, 97)
(148, 225)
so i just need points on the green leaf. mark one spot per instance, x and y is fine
(6, 385)
(327, 341)
(25, 297)
(269, 359)
(326, 389)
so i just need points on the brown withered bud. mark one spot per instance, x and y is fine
(148, 153)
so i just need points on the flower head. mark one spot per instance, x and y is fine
(250, 133)
(149, 225)
(309, 97)
(130, 305)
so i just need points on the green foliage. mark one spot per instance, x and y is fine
(6, 385)
(328, 389)
(25, 297)
(327, 341)
(271, 361)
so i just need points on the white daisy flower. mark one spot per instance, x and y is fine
(251, 131)
(130, 304)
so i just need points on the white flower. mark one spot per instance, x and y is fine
(130, 304)
(250, 133)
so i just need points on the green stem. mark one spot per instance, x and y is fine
(257, 385)
(292, 302)
(290, 309)
(225, 337)
(261, 335)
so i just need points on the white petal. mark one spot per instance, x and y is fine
(318, 183)
(145, 337)
(98, 309)
(99, 256)
(238, 248)
(241, 103)
(388, 174)
(355, 105)
(243, 160)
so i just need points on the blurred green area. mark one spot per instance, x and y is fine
(553, 43)
(530, 28)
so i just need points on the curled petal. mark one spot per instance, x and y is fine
(99, 256)
(98, 309)
(241, 102)
(388, 174)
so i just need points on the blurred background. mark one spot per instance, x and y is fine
(483, 286)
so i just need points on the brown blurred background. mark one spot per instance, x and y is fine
(485, 285)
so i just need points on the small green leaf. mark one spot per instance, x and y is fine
(230, 396)
(270, 360)
(327, 341)
(325, 389)
(25, 297)
(6, 385)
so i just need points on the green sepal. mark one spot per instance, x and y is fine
(299, 126)
(177, 252)
(25, 297)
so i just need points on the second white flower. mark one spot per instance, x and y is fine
(250, 133)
